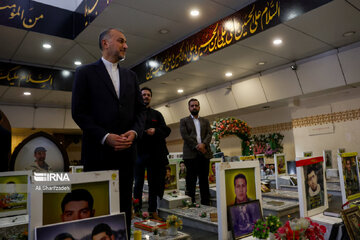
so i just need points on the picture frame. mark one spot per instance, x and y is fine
(351, 217)
(242, 218)
(280, 167)
(228, 173)
(14, 193)
(81, 229)
(97, 184)
(341, 150)
(308, 154)
(172, 177)
(291, 167)
(23, 155)
(247, 158)
(150, 225)
(328, 158)
(14, 227)
(261, 159)
(312, 190)
(212, 171)
(348, 166)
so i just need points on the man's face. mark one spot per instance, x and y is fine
(115, 45)
(213, 168)
(146, 95)
(102, 236)
(312, 180)
(182, 166)
(168, 172)
(348, 165)
(194, 108)
(77, 210)
(240, 190)
(40, 158)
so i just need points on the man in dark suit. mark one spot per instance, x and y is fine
(196, 133)
(152, 155)
(108, 107)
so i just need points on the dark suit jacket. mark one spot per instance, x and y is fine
(98, 111)
(188, 133)
(155, 145)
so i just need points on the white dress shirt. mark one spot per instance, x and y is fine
(197, 127)
(113, 70)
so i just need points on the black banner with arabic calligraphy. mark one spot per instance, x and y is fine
(38, 17)
(35, 77)
(254, 18)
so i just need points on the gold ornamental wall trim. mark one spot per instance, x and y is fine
(344, 116)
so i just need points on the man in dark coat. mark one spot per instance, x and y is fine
(152, 155)
(108, 107)
(196, 133)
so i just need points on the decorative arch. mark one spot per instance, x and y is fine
(232, 126)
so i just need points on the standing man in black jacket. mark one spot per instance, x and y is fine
(152, 155)
(196, 133)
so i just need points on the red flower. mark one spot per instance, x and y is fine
(136, 201)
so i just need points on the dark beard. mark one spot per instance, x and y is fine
(194, 112)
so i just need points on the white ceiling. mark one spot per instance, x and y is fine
(315, 32)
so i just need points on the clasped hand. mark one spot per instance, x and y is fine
(120, 142)
(201, 148)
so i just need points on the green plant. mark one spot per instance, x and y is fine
(261, 230)
(174, 221)
(273, 222)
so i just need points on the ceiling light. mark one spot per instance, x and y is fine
(277, 41)
(348, 34)
(77, 63)
(47, 45)
(194, 13)
(153, 64)
(164, 31)
(229, 25)
(180, 90)
(65, 73)
(27, 93)
(261, 63)
(228, 74)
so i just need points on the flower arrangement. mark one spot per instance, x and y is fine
(267, 144)
(273, 222)
(261, 230)
(174, 221)
(302, 228)
(232, 126)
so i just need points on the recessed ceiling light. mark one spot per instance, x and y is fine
(77, 63)
(194, 13)
(27, 93)
(164, 31)
(180, 90)
(47, 45)
(153, 64)
(261, 63)
(228, 74)
(65, 73)
(277, 41)
(348, 34)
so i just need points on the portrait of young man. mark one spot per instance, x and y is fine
(314, 183)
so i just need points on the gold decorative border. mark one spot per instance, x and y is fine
(344, 116)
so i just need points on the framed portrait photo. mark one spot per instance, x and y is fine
(212, 171)
(349, 176)
(14, 193)
(105, 227)
(261, 159)
(328, 158)
(172, 177)
(40, 152)
(280, 167)
(91, 194)
(242, 218)
(351, 219)
(237, 183)
(313, 198)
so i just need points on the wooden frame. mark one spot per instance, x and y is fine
(348, 192)
(242, 218)
(84, 178)
(56, 155)
(311, 172)
(81, 229)
(280, 167)
(225, 193)
(351, 219)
